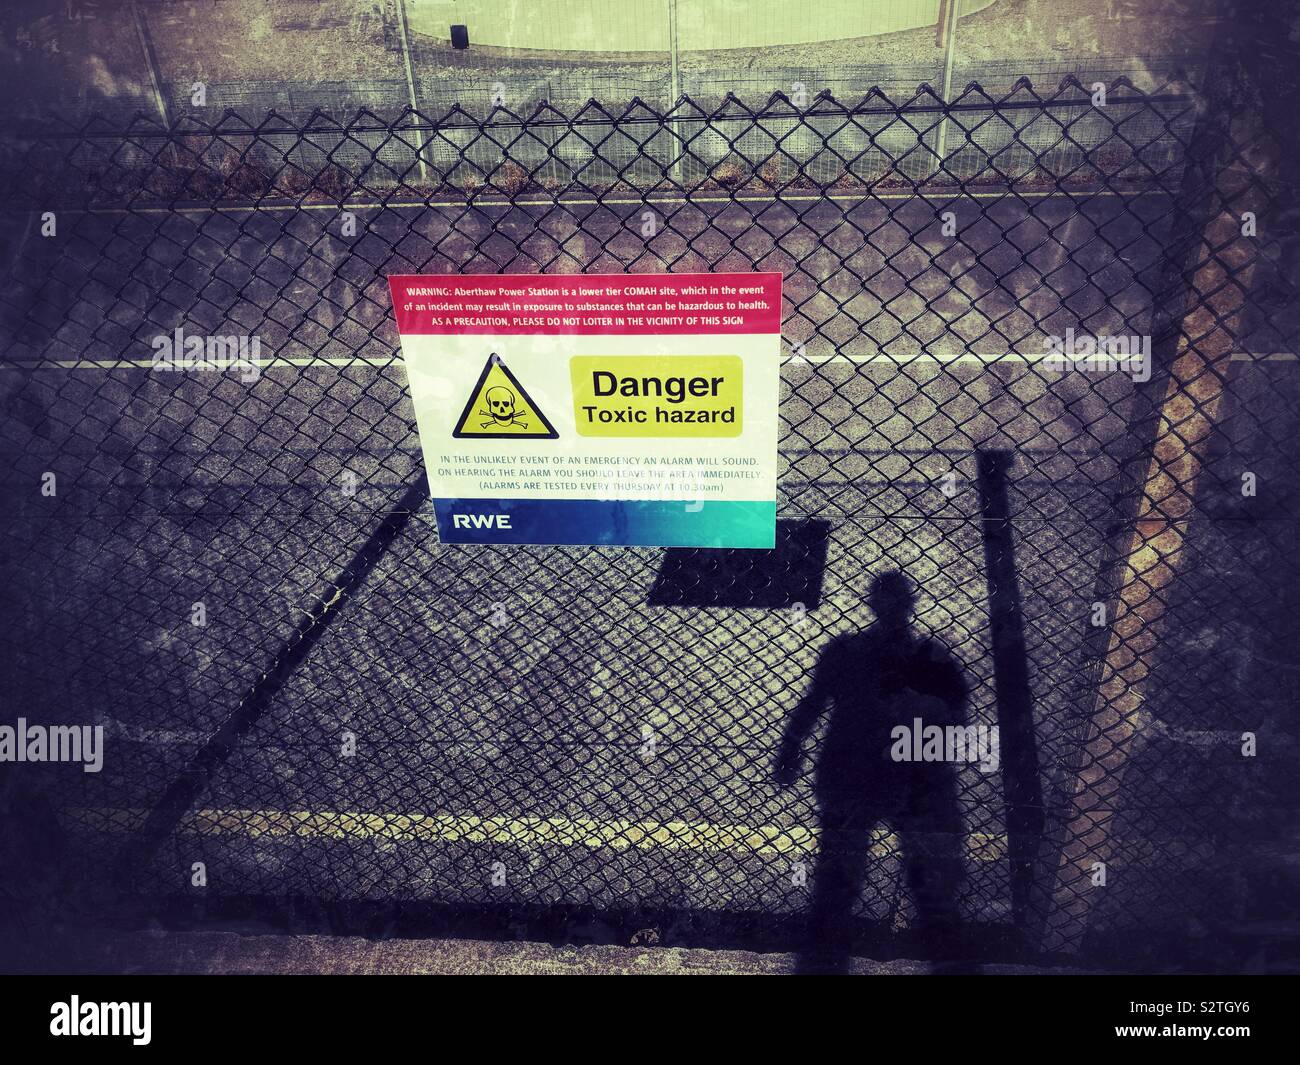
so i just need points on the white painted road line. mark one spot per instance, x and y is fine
(383, 361)
(925, 195)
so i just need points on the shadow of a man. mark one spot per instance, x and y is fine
(873, 681)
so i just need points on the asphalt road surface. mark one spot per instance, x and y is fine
(529, 725)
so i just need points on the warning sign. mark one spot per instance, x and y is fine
(500, 407)
(607, 409)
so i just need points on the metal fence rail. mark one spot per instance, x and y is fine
(306, 696)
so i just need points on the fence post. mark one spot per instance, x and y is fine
(410, 88)
(1152, 546)
(948, 15)
(674, 90)
(151, 62)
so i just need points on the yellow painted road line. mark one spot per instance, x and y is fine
(764, 840)
(629, 201)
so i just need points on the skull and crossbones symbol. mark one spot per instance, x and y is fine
(501, 409)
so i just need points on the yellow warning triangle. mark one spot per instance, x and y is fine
(499, 407)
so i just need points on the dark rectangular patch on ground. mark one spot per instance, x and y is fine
(789, 573)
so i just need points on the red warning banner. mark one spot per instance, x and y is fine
(586, 304)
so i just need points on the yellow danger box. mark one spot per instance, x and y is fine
(657, 395)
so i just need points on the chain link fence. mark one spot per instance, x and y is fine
(307, 699)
